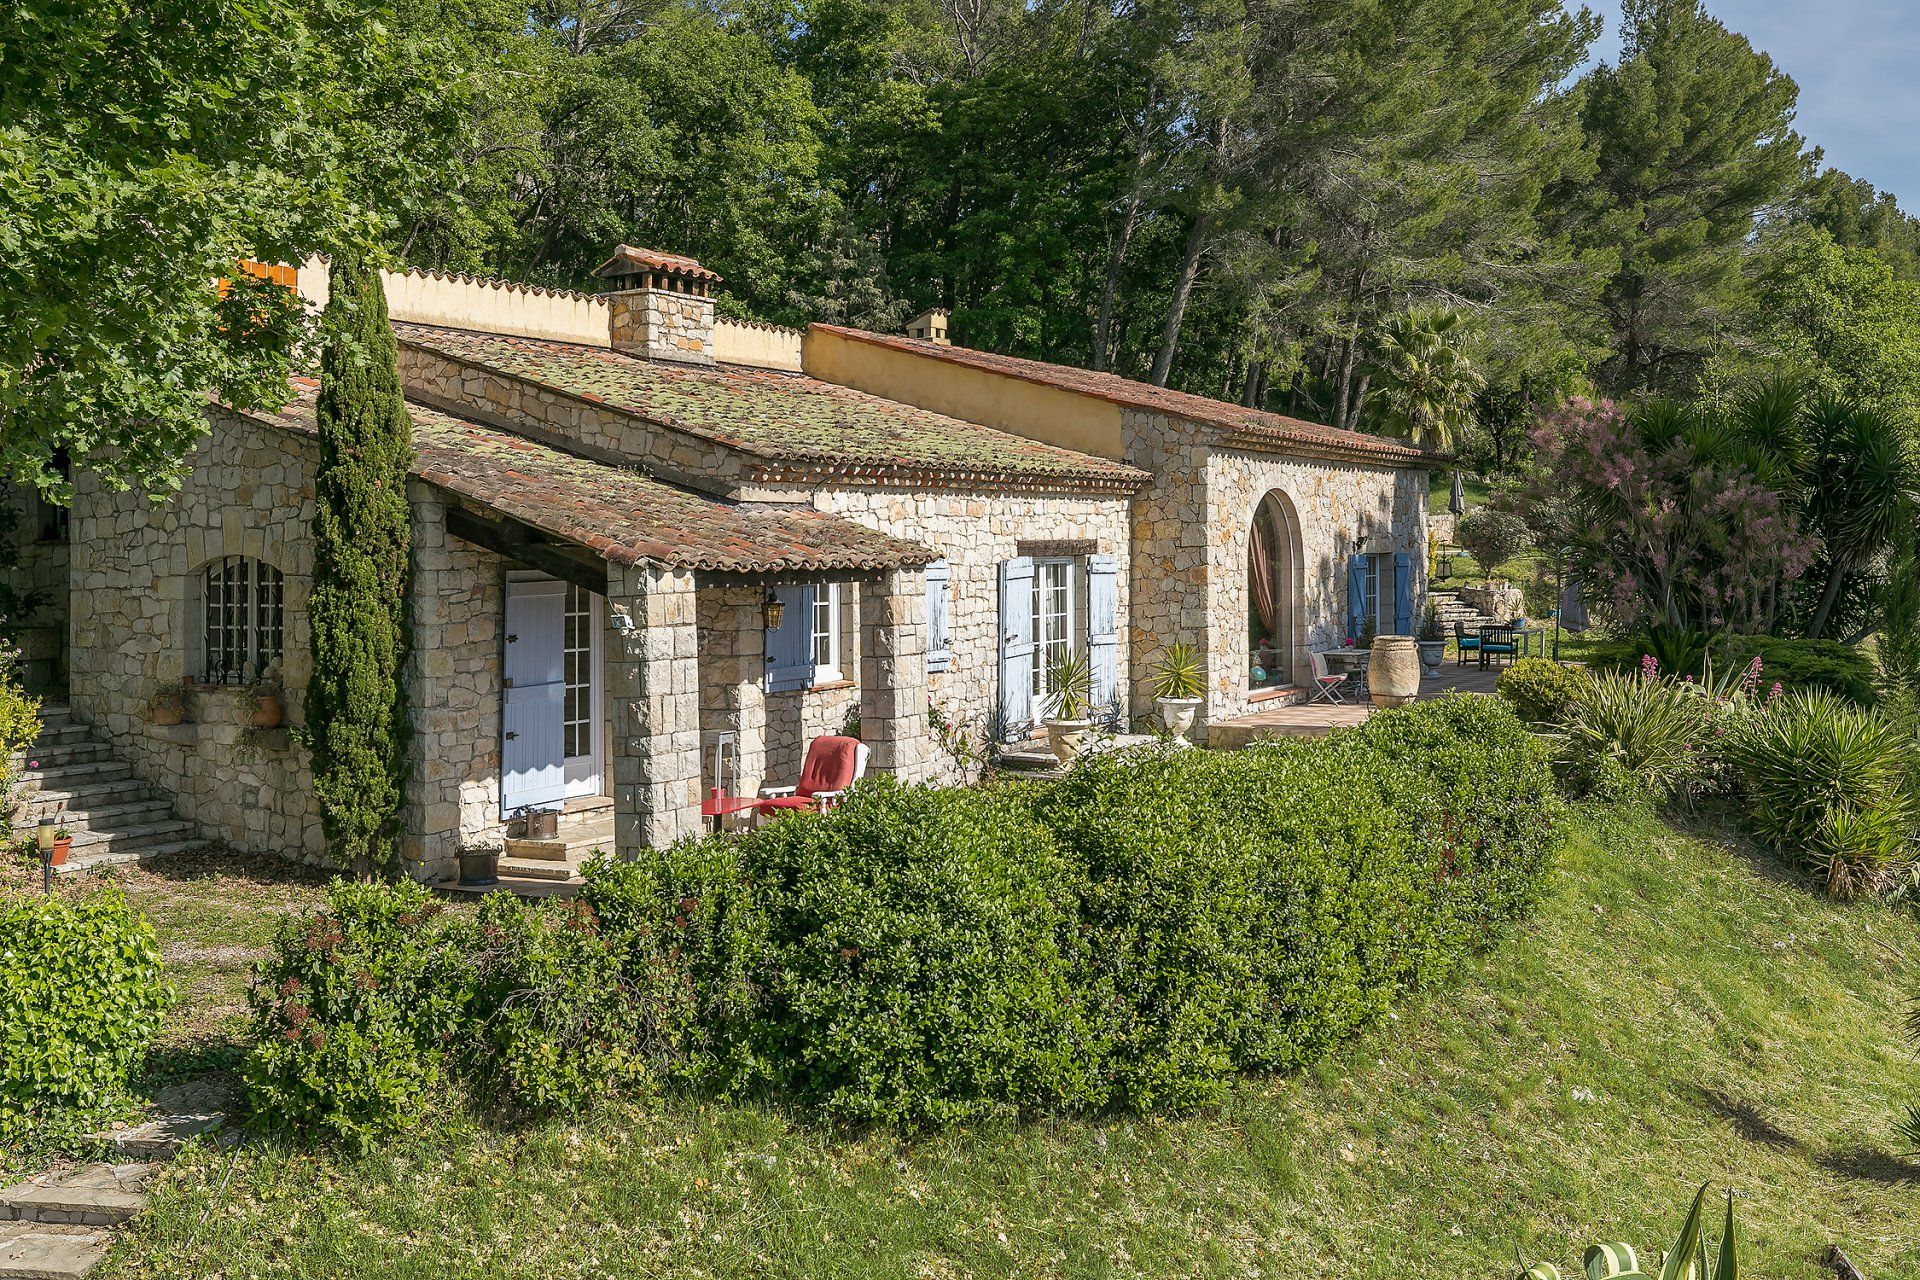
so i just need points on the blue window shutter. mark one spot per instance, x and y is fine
(1402, 593)
(790, 645)
(1103, 634)
(939, 646)
(1016, 647)
(1357, 602)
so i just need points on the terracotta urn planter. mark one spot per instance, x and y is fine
(1177, 714)
(1066, 737)
(1393, 671)
(62, 846)
(267, 711)
(169, 707)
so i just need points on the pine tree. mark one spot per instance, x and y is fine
(356, 707)
(1693, 135)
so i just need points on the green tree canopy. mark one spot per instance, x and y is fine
(145, 149)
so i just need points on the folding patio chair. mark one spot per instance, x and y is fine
(1326, 684)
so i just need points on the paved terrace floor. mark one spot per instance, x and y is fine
(1316, 720)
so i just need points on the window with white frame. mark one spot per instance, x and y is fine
(245, 619)
(825, 625)
(1053, 622)
(577, 727)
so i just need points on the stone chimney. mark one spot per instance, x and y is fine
(660, 305)
(930, 326)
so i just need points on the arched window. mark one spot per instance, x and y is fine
(246, 612)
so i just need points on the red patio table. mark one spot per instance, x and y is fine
(719, 804)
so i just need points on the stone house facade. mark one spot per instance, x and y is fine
(656, 553)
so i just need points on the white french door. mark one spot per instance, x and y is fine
(551, 703)
(1053, 626)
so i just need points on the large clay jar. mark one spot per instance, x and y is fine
(1393, 672)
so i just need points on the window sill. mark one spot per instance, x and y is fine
(828, 686)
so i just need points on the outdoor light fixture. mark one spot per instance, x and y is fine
(43, 838)
(773, 610)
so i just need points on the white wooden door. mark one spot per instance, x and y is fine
(532, 755)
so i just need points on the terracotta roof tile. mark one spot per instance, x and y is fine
(627, 255)
(792, 426)
(1253, 428)
(621, 514)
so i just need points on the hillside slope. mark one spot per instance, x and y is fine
(1683, 1010)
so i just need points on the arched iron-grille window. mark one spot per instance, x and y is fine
(246, 619)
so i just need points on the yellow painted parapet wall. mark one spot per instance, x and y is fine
(764, 346)
(486, 306)
(1053, 415)
(527, 311)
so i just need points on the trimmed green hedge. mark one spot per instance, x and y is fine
(81, 997)
(1828, 665)
(1129, 938)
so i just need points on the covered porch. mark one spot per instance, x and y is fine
(654, 643)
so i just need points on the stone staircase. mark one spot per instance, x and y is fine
(1452, 609)
(70, 774)
(59, 1225)
(586, 828)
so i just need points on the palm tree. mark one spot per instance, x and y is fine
(1425, 381)
(1861, 486)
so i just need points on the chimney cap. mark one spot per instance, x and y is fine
(930, 326)
(627, 260)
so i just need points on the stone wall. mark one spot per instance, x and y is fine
(974, 532)
(453, 681)
(1191, 529)
(137, 625)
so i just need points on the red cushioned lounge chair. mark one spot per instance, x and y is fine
(833, 765)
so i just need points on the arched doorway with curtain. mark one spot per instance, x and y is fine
(1273, 594)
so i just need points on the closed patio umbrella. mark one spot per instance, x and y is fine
(1573, 613)
(1458, 502)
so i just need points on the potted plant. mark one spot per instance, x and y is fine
(1177, 688)
(529, 823)
(1433, 641)
(1070, 676)
(264, 699)
(168, 706)
(62, 846)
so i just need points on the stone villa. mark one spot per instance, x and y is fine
(657, 551)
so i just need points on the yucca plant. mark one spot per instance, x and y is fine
(1070, 682)
(1646, 727)
(1687, 1260)
(1178, 674)
(1831, 784)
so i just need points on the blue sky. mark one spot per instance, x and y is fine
(1857, 63)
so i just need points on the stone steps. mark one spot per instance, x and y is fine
(115, 819)
(45, 1251)
(542, 869)
(576, 839)
(96, 1195)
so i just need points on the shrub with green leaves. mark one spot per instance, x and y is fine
(1245, 910)
(552, 1023)
(1633, 733)
(922, 945)
(19, 726)
(1832, 784)
(1541, 691)
(688, 929)
(353, 1014)
(81, 998)
(1825, 665)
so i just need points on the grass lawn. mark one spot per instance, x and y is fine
(1682, 1010)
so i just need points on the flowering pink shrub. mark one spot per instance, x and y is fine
(1667, 534)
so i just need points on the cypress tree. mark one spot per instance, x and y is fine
(356, 706)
